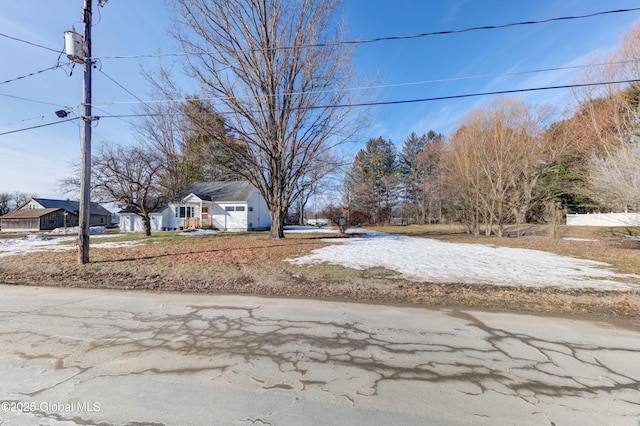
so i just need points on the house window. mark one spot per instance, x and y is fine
(102, 220)
(250, 209)
(229, 208)
(240, 208)
(184, 211)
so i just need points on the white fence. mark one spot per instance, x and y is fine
(604, 219)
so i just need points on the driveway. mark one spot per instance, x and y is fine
(74, 356)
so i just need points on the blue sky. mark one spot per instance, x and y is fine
(32, 161)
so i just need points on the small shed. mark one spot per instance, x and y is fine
(131, 221)
(37, 220)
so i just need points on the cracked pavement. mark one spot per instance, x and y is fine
(89, 357)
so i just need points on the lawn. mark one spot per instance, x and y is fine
(252, 263)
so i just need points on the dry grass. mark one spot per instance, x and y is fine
(254, 264)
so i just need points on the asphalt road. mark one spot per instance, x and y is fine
(74, 356)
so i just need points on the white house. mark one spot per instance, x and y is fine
(225, 206)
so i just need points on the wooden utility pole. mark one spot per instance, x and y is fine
(85, 174)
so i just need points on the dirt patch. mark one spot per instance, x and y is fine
(254, 264)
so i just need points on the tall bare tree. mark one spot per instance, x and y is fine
(464, 182)
(497, 159)
(131, 178)
(613, 113)
(277, 74)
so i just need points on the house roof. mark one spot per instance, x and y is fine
(136, 211)
(70, 206)
(28, 213)
(222, 191)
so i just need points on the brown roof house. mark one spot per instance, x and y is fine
(41, 214)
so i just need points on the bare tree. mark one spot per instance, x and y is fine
(164, 129)
(496, 161)
(278, 76)
(131, 178)
(5, 203)
(615, 179)
(613, 113)
(21, 198)
(464, 182)
(314, 182)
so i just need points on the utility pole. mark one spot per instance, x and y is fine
(85, 174)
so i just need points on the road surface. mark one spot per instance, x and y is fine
(75, 356)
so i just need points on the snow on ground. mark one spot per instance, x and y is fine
(198, 232)
(295, 229)
(39, 242)
(73, 230)
(428, 260)
(31, 243)
(418, 259)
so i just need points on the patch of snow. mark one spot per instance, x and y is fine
(296, 229)
(577, 239)
(196, 232)
(31, 243)
(73, 230)
(428, 260)
(37, 243)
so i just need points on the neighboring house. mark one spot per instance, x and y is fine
(225, 206)
(41, 214)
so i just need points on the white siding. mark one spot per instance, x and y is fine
(258, 218)
(130, 222)
(226, 216)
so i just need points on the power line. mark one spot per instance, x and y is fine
(470, 95)
(111, 115)
(380, 103)
(443, 80)
(381, 86)
(405, 101)
(118, 84)
(390, 38)
(25, 120)
(372, 40)
(30, 74)
(29, 43)
(31, 100)
(37, 127)
(488, 27)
